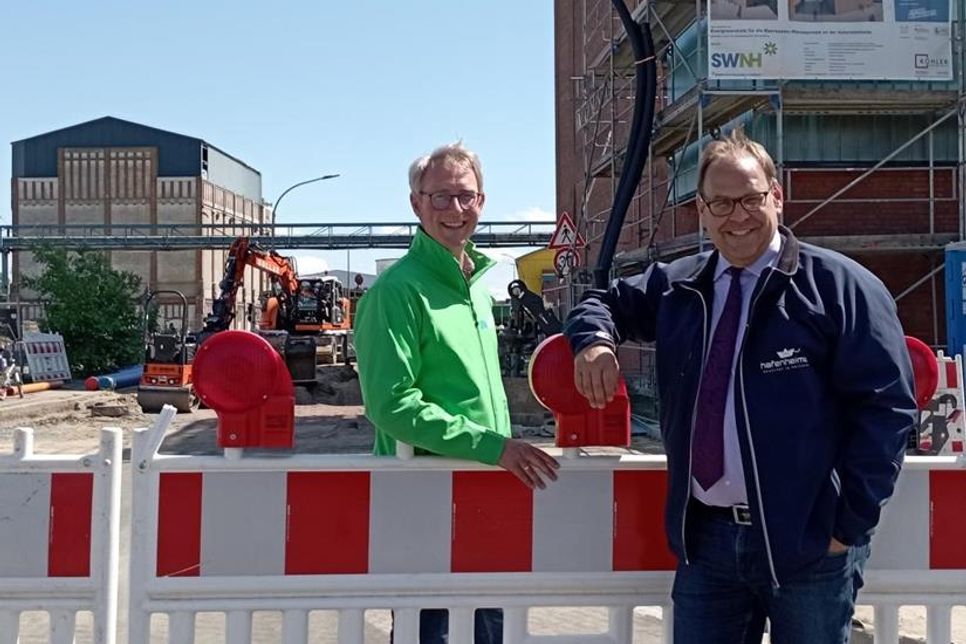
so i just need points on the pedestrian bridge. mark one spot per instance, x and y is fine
(312, 236)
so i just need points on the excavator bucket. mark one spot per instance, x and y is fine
(181, 398)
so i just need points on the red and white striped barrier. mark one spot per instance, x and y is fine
(46, 357)
(59, 537)
(349, 533)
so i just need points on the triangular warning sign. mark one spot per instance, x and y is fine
(566, 235)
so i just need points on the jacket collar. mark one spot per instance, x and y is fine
(702, 277)
(438, 259)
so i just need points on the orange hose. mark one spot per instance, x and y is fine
(34, 387)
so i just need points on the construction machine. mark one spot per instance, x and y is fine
(295, 314)
(168, 354)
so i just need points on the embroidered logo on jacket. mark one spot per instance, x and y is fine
(786, 360)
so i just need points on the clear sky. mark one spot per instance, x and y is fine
(300, 89)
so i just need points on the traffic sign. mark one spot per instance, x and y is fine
(565, 261)
(566, 235)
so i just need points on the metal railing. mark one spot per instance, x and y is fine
(319, 236)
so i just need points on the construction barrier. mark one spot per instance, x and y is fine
(301, 533)
(46, 357)
(942, 423)
(59, 535)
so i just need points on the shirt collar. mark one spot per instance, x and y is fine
(768, 258)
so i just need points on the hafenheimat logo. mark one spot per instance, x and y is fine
(787, 359)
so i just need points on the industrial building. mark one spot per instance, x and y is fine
(871, 160)
(124, 176)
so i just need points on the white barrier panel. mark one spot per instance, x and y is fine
(59, 537)
(303, 533)
(942, 424)
(350, 533)
(46, 357)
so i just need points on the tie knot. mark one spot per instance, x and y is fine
(734, 271)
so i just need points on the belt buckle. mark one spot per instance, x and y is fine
(741, 514)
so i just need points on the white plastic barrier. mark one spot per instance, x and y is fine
(302, 533)
(59, 534)
(46, 357)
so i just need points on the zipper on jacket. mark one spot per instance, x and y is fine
(751, 442)
(704, 357)
(479, 338)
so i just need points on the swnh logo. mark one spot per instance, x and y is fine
(733, 61)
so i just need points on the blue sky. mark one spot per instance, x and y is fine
(299, 89)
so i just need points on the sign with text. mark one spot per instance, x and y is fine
(830, 39)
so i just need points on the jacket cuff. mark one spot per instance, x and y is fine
(586, 340)
(489, 449)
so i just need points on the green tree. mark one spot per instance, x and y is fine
(95, 308)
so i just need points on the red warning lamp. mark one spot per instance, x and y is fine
(578, 424)
(246, 382)
(925, 370)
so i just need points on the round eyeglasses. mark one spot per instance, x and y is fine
(724, 206)
(442, 199)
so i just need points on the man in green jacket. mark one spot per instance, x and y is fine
(426, 346)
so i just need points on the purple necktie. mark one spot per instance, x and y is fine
(707, 449)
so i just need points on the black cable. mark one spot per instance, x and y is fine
(639, 140)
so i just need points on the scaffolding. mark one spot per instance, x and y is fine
(662, 220)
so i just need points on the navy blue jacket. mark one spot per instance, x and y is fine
(823, 390)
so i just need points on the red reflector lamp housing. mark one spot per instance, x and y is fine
(578, 424)
(246, 382)
(925, 370)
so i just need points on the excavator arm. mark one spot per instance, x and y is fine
(244, 252)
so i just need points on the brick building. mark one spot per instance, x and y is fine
(900, 142)
(115, 173)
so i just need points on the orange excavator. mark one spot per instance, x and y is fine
(295, 314)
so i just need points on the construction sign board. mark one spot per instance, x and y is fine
(46, 357)
(566, 235)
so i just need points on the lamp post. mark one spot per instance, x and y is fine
(290, 189)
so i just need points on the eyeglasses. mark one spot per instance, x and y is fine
(724, 206)
(442, 199)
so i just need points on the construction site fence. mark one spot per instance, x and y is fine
(59, 537)
(239, 534)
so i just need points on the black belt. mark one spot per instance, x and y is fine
(739, 514)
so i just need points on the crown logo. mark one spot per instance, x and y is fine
(787, 353)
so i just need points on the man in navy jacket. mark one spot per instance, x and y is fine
(786, 396)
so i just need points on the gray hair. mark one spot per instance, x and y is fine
(450, 154)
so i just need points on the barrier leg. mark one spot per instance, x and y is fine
(461, 625)
(107, 534)
(352, 624)
(667, 623)
(515, 628)
(938, 626)
(621, 623)
(886, 627)
(9, 627)
(181, 628)
(62, 627)
(295, 627)
(238, 627)
(405, 626)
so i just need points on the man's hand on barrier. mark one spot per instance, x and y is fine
(596, 374)
(528, 463)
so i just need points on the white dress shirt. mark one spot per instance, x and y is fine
(730, 488)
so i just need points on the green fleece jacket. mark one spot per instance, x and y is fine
(426, 345)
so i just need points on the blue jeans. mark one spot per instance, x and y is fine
(724, 594)
(434, 626)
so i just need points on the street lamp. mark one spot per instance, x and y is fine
(290, 189)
